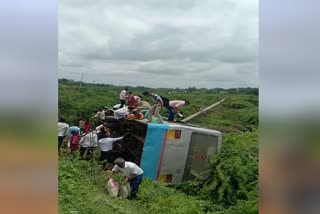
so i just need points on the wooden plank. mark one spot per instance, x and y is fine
(204, 110)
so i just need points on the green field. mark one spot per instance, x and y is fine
(233, 186)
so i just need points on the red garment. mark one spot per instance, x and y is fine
(74, 142)
(132, 101)
(87, 126)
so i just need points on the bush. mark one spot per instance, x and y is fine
(82, 191)
(235, 171)
(157, 198)
(237, 104)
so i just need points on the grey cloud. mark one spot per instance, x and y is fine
(193, 39)
(159, 4)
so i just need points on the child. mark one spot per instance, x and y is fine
(74, 142)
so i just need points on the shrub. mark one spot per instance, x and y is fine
(235, 170)
(237, 104)
(157, 198)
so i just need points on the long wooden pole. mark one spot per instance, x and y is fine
(204, 110)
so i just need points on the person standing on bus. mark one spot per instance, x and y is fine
(123, 97)
(133, 100)
(174, 107)
(157, 106)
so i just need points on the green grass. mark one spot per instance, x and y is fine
(81, 190)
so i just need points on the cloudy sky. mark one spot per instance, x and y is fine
(160, 43)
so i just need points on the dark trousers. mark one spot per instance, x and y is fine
(171, 113)
(134, 184)
(83, 150)
(106, 156)
(60, 141)
(122, 102)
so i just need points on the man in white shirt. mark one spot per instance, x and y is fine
(88, 142)
(62, 131)
(106, 145)
(131, 171)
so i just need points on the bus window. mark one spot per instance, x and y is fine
(201, 149)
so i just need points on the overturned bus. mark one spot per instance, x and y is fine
(170, 152)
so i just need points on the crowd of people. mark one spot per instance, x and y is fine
(88, 134)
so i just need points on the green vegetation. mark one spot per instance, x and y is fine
(239, 112)
(234, 181)
(232, 188)
(81, 188)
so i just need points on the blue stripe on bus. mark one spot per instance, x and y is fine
(152, 149)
